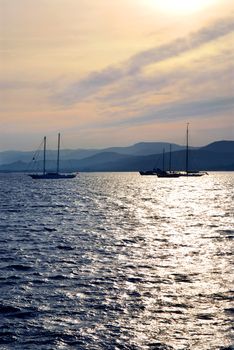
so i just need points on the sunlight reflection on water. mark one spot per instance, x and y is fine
(116, 261)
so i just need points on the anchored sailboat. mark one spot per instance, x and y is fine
(52, 175)
(154, 171)
(163, 172)
(169, 173)
(187, 171)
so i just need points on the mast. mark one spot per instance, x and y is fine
(163, 159)
(170, 160)
(58, 153)
(187, 150)
(44, 156)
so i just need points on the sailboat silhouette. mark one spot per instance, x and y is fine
(187, 171)
(52, 175)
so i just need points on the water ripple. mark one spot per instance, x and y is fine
(116, 261)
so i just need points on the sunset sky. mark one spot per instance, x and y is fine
(111, 73)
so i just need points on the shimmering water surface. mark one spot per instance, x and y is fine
(116, 261)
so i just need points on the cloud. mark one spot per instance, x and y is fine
(184, 78)
(95, 81)
(179, 46)
(132, 69)
(179, 110)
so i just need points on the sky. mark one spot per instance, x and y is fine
(113, 73)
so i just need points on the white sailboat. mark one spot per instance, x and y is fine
(52, 175)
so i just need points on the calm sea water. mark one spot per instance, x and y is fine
(116, 261)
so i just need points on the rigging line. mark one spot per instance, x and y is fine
(35, 157)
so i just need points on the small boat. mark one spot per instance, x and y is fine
(187, 172)
(161, 172)
(149, 172)
(175, 174)
(169, 173)
(52, 175)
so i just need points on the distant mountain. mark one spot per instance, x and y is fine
(15, 166)
(14, 156)
(141, 148)
(220, 146)
(144, 148)
(104, 160)
(198, 160)
(141, 156)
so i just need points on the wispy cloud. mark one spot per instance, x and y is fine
(95, 81)
(131, 69)
(177, 47)
(187, 78)
(178, 111)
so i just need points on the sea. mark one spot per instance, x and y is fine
(110, 261)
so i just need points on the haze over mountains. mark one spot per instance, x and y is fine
(218, 155)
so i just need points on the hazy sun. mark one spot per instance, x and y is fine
(181, 6)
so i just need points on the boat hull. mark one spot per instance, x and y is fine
(193, 174)
(168, 175)
(148, 172)
(52, 176)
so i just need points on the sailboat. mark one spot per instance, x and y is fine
(161, 172)
(52, 175)
(164, 173)
(187, 171)
(154, 171)
(149, 172)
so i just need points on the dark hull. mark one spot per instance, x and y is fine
(167, 174)
(171, 175)
(52, 176)
(148, 172)
(193, 174)
(151, 172)
(160, 173)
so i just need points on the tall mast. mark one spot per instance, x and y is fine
(44, 156)
(58, 153)
(163, 159)
(187, 149)
(170, 160)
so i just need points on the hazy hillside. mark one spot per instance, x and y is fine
(199, 160)
(15, 156)
(7, 157)
(145, 148)
(220, 146)
(141, 148)
(215, 156)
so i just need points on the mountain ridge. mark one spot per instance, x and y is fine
(218, 155)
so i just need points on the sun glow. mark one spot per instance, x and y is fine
(181, 6)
